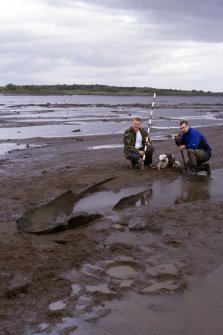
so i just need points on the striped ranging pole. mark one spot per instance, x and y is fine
(149, 126)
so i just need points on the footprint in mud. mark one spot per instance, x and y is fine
(165, 278)
(94, 284)
(156, 287)
(117, 274)
(167, 269)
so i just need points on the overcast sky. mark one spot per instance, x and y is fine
(174, 44)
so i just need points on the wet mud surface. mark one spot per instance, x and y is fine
(150, 261)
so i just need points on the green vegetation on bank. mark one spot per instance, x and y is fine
(95, 89)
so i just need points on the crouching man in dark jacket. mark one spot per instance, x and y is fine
(134, 143)
(197, 146)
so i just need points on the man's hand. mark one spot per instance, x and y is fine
(141, 153)
(182, 147)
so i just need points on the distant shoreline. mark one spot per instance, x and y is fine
(12, 89)
(106, 94)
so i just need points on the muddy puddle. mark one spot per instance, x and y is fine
(159, 193)
(69, 211)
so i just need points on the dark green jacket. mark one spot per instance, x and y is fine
(129, 140)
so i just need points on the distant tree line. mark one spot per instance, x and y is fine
(64, 89)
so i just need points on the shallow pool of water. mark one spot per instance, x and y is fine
(66, 212)
(159, 193)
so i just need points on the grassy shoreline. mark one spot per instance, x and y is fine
(12, 89)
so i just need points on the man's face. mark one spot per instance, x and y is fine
(136, 125)
(184, 128)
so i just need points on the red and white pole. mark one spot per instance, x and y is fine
(149, 126)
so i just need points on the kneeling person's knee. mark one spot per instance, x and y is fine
(134, 156)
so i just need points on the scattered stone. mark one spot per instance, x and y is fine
(137, 224)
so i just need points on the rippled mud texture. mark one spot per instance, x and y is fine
(103, 278)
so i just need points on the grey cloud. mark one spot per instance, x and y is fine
(203, 9)
(136, 43)
(199, 20)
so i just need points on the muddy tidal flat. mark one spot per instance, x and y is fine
(90, 246)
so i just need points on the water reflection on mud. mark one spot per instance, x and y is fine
(159, 193)
(196, 190)
(70, 211)
(139, 199)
